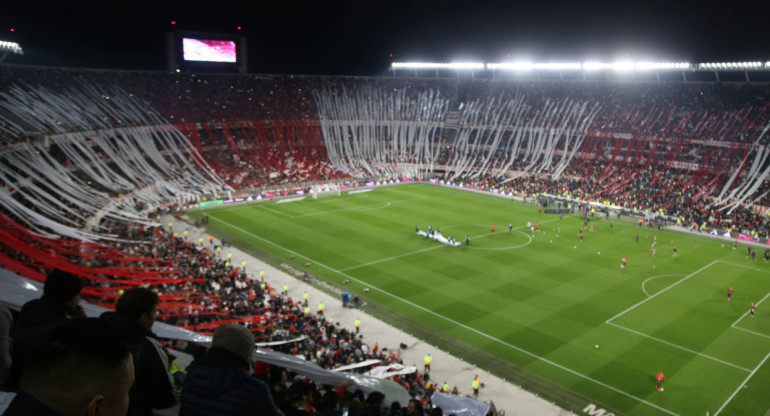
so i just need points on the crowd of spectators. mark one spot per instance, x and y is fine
(680, 144)
(665, 147)
(223, 294)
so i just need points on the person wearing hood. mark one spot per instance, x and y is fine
(221, 382)
(59, 303)
(154, 391)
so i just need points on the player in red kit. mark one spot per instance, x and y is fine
(660, 377)
(752, 309)
(729, 293)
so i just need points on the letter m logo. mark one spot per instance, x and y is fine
(592, 410)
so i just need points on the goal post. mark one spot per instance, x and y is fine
(327, 189)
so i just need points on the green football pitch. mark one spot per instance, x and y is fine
(531, 307)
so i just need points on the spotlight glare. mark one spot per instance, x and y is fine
(528, 66)
(437, 65)
(12, 47)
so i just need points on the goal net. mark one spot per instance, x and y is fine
(328, 189)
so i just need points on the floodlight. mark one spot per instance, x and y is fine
(7, 47)
(12, 47)
(730, 65)
(515, 66)
(558, 65)
(528, 66)
(437, 65)
(524, 66)
(616, 66)
(661, 65)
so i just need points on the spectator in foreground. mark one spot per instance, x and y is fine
(221, 382)
(6, 323)
(84, 367)
(153, 392)
(60, 302)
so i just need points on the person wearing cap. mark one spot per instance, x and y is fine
(154, 390)
(60, 302)
(222, 383)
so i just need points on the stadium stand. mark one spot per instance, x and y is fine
(93, 159)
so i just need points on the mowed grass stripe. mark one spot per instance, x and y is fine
(693, 316)
(541, 306)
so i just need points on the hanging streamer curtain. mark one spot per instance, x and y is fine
(95, 162)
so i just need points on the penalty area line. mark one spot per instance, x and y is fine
(661, 292)
(729, 399)
(671, 344)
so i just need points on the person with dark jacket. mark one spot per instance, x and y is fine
(372, 407)
(82, 367)
(154, 391)
(329, 405)
(59, 303)
(221, 383)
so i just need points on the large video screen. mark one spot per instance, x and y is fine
(208, 50)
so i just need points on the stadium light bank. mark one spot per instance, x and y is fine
(7, 47)
(523, 67)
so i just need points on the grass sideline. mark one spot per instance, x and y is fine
(531, 307)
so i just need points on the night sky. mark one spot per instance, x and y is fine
(357, 37)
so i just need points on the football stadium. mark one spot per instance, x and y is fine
(577, 238)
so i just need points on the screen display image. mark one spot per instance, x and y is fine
(208, 50)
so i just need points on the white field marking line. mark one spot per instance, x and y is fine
(390, 258)
(377, 206)
(662, 291)
(745, 314)
(263, 203)
(742, 384)
(372, 207)
(509, 247)
(670, 344)
(461, 325)
(656, 277)
(745, 266)
(329, 200)
(422, 251)
(276, 211)
(433, 248)
(295, 199)
(759, 334)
